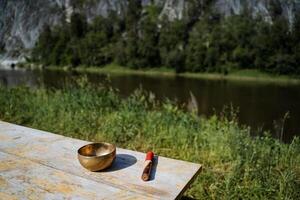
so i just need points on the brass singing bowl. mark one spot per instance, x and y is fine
(97, 156)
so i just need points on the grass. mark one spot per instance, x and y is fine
(116, 69)
(236, 75)
(236, 165)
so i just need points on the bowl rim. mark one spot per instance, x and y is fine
(97, 156)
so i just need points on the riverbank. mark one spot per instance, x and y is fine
(236, 165)
(238, 75)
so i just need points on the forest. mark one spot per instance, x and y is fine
(144, 39)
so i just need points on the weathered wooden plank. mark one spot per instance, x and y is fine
(59, 153)
(22, 178)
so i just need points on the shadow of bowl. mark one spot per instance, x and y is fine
(122, 161)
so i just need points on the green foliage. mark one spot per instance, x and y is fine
(171, 41)
(296, 29)
(132, 33)
(148, 48)
(133, 14)
(92, 49)
(199, 42)
(78, 25)
(176, 59)
(58, 55)
(43, 48)
(236, 165)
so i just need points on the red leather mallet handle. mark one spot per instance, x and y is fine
(147, 166)
(149, 156)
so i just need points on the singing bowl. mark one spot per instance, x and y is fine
(97, 156)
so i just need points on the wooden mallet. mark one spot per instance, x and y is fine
(147, 166)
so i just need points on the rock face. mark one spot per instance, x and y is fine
(258, 7)
(21, 21)
(175, 8)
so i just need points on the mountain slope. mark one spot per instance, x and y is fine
(21, 21)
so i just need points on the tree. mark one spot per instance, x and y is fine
(148, 43)
(281, 63)
(44, 46)
(172, 37)
(275, 9)
(78, 25)
(59, 54)
(199, 42)
(262, 42)
(243, 57)
(104, 25)
(176, 59)
(119, 53)
(133, 15)
(296, 42)
(92, 46)
(296, 29)
(280, 34)
(281, 45)
(238, 33)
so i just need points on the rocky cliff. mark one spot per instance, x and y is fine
(22, 20)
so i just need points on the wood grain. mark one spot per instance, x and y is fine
(41, 165)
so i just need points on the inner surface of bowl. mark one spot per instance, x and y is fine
(96, 149)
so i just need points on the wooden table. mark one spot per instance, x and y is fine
(36, 164)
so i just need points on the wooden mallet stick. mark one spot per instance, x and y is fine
(147, 166)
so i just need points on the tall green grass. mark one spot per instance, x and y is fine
(236, 165)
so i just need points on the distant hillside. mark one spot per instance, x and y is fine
(21, 21)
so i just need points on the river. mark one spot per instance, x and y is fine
(260, 105)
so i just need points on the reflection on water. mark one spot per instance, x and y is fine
(259, 104)
(12, 78)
